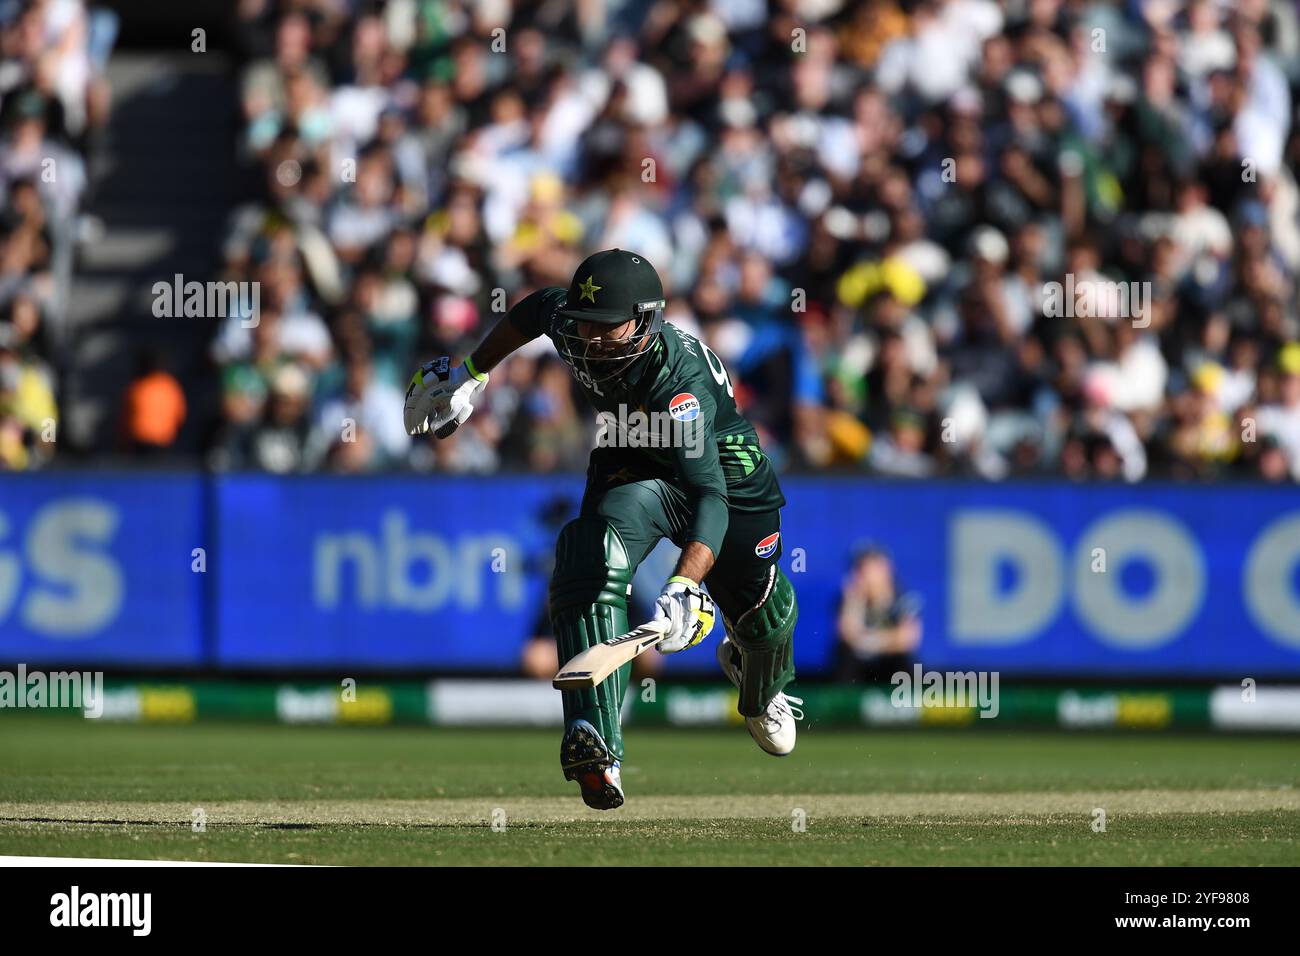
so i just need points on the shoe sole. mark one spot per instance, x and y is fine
(585, 758)
(771, 753)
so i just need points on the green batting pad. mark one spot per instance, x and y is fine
(765, 639)
(589, 591)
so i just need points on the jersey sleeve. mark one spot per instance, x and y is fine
(695, 456)
(531, 315)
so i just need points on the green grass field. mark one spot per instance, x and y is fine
(276, 794)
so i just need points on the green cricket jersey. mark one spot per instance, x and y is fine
(689, 432)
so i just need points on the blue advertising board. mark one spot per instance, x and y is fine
(383, 573)
(449, 573)
(1111, 580)
(99, 569)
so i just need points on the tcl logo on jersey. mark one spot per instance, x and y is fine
(684, 407)
(765, 547)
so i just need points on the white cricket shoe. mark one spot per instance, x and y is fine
(774, 729)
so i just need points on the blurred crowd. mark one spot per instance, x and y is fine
(927, 237)
(53, 97)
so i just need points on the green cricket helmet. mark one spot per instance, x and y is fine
(609, 289)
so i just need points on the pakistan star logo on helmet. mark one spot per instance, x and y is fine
(589, 290)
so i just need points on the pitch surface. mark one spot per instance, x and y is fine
(438, 796)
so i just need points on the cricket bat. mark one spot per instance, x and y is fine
(593, 665)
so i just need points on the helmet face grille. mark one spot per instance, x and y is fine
(595, 361)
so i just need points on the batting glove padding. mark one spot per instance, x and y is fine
(440, 397)
(689, 611)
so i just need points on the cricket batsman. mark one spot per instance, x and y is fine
(715, 496)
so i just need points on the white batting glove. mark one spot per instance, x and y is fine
(688, 609)
(440, 397)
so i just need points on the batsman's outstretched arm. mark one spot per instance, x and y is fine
(522, 324)
(440, 397)
(506, 337)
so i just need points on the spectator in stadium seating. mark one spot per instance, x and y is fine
(879, 629)
(366, 406)
(28, 415)
(278, 441)
(153, 407)
(1280, 418)
(30, 154)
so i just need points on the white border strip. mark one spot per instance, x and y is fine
(1273, 708)
(82, 861)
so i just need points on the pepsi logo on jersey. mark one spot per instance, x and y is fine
(684, 407)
